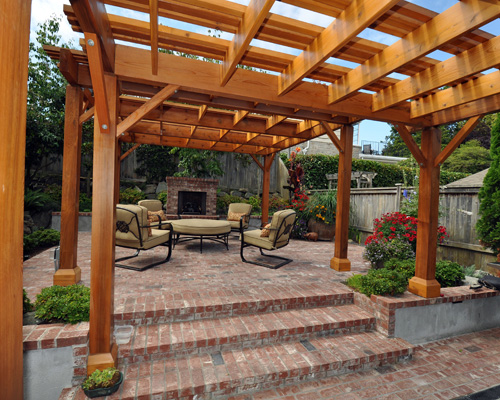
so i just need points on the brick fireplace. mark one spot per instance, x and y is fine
(191, 197)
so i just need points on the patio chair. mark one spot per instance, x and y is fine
(274, 236)
(156, 215)
(133, 232)
(238, 215)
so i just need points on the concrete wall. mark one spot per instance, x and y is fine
(84, 222)
(47, 372)
(427, 323)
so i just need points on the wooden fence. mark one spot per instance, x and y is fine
(459, 207)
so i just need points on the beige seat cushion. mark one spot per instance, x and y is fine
(201, 227)
(158, 237)
(253, 237)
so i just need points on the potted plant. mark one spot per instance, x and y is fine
(102, 383)
(321, 209)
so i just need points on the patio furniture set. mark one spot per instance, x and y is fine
(145, 226)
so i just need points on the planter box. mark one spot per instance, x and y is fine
(324, 231)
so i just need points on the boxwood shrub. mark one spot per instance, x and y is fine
(316, 166)
(63, 304)
(40, 239)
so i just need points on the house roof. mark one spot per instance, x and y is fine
(474, 180)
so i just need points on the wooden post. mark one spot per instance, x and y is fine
(102, 350)
(14, 42)
(340, 262)
(69, 273)
(424, 282)
(266, 183)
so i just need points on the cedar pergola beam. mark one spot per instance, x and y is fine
(129, 151)
(250, 23)
(97, 73)
(479, 107)
(144, 109)
(484, 86)
(92, 17)
(443, 28)
(479, 58)
(153, 23)
(251, 86)
(411, 144)
(333, 137)
(354, 19)
(457, 140)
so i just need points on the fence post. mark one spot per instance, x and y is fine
(398, 196)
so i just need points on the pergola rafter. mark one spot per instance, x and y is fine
(169, 100)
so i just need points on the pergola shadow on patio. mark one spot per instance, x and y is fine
(139, 95)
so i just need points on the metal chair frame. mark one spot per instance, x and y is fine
(285, 260)
(135, 219)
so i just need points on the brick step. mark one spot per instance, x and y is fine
(249, 370)
(226, 303)
(208, 336)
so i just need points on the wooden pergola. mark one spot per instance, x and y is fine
(137, 94)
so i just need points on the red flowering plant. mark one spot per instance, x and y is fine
(391, 231)
(299, 198)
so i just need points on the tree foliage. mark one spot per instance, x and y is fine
(488, 226)
(156, 162)
(197, 163)
(46, 98)
(469, 157)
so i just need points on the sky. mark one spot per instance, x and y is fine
(368, 130)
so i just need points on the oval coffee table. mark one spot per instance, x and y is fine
(195, 228)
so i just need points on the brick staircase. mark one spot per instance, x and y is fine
(239, 343)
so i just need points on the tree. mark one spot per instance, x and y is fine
(197, 163)
(46, 98)
(470, 157)
(156, 162)
(396, 147)
(488, 226)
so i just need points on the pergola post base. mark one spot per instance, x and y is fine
(424, 287)
(340, 264)
(103, 360)
(67, 277)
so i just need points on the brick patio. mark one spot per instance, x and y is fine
(209, 326)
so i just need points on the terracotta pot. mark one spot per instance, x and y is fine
(324, 231)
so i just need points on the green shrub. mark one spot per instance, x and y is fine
(449, 273)
(162, 196)
(383, 282)
(379, 251)
(316, 166)
(131, 196)
(277, 203)
(404, 267)
(355, 282)
(40, 238)
(63, 303)
(85, 203)
(35, 200)
(101, 379)
(256, 202)
(27, 306)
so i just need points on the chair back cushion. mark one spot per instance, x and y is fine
(237, 210)
(281, 227)
(128, 226)
(151, 205)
